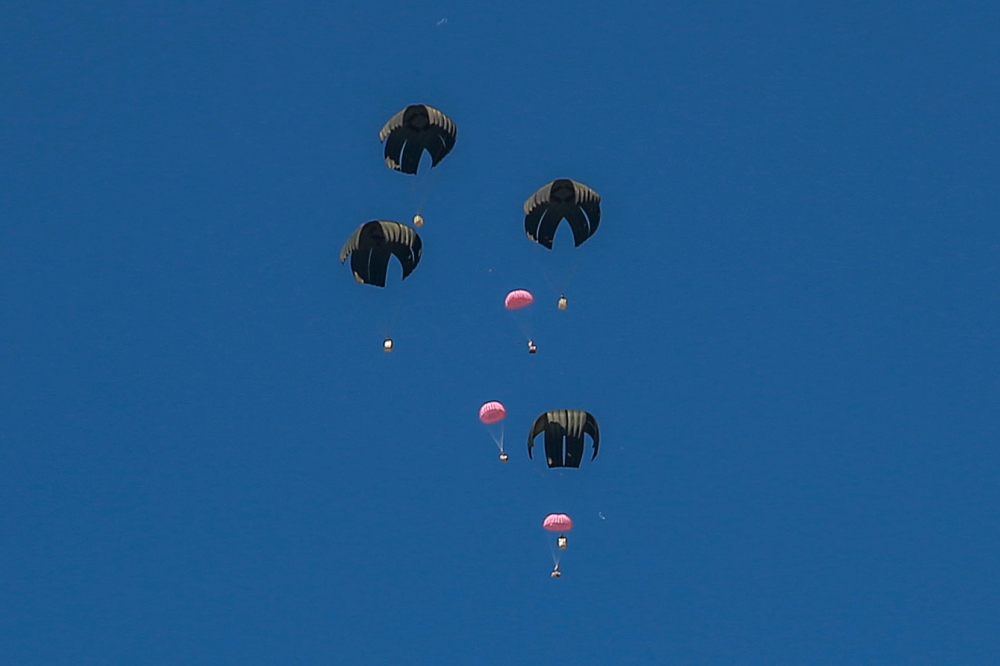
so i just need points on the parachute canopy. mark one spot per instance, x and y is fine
(371, 245)
(413, 130)
(557, 522)
(563, 198)
(517, 299)
(564, 430)
(492, 412)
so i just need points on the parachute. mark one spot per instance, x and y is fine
(373, 242)
(517, 299)
(561, 523)
(564, 436)
(413, 130)
(492, 412)
(557, 522)
(563, 198)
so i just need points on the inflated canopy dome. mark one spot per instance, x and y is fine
(564, 431)
(413, 130)
(562, 199)
(371, 245)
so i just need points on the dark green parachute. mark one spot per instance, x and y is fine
(413, 130)
(563, 198)
(564, 430)
(371, 245)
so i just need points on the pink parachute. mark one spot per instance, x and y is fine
(517, 299)
(557, 522)
(492, 412)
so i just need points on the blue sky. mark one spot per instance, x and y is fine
(786, 326)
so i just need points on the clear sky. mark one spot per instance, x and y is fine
(786, 326)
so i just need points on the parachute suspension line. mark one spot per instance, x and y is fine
(579, 480)
(545, 270)
(426, 184)
(515, 303)
(563, 286)
(558, 286)
(420, 188)
(579, 486)
(395, 317)
(571, 488)
(388, 325)
(525, 330)
(539, 472)
(498, 439)
(556, 555)
(572, 274)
